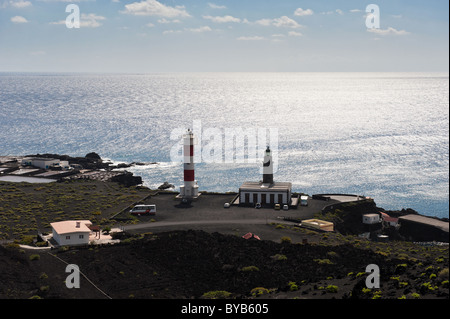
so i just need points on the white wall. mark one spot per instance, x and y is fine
(74, 239)
(371, 219)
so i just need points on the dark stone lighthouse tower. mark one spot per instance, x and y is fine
(268, 167)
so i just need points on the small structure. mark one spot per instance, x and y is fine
(71, 232)
(40, 162)
(371, 219)
(318, 224)
(265, 192)
(388, 220)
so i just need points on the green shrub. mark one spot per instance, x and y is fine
(293, 286)
(35, 257)
(377, 294)
(443, 274)
(217, 294)
(279, 257)
(286, 239)
(249, 268)
(44, 288)
(258, 291)
(332, 288)
(43, 276)
(323, 261)
(402, 284)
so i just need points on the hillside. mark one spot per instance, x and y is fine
(188, 264)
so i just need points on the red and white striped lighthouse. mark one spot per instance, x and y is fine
(189, 190)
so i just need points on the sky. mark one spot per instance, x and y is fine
(146, 36)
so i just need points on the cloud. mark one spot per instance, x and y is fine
(200, 29)
(355, 10)
(20, 4)
(224, 19)
(194, 30)
(90, 20)
(300, 12)
(283, 21)
(154, 8)
(338, 11)
(216, 6)
(294, 34)
(388, 31)
(171, 31)
(19, 19)
(165, 21)
(252, 38)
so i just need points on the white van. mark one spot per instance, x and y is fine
(304, 201)
(143, 210)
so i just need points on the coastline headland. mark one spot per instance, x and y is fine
(211, 246)
(345, 211)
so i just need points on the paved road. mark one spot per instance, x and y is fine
(202, 223)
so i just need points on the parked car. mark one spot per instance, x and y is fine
(258, 205)
(277, 206)
(143, 210)
(226, 205)
(285, 207)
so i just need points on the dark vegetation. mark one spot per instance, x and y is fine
(196, 264)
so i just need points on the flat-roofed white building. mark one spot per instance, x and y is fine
(40, 162)
(251, 193)
(71, 232)
(371, 219)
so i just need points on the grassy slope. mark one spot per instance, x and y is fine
(25, 208)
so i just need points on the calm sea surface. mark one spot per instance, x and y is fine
(384, 135)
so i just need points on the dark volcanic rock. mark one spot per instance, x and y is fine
(93, 156)
(166, 185)
(93, 161)
(127, 179)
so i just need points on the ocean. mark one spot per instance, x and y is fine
(383, 135)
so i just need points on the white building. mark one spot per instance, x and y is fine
(371, 219)
(71, 232)
(40, 162)
(251, 193)
(266, 192)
